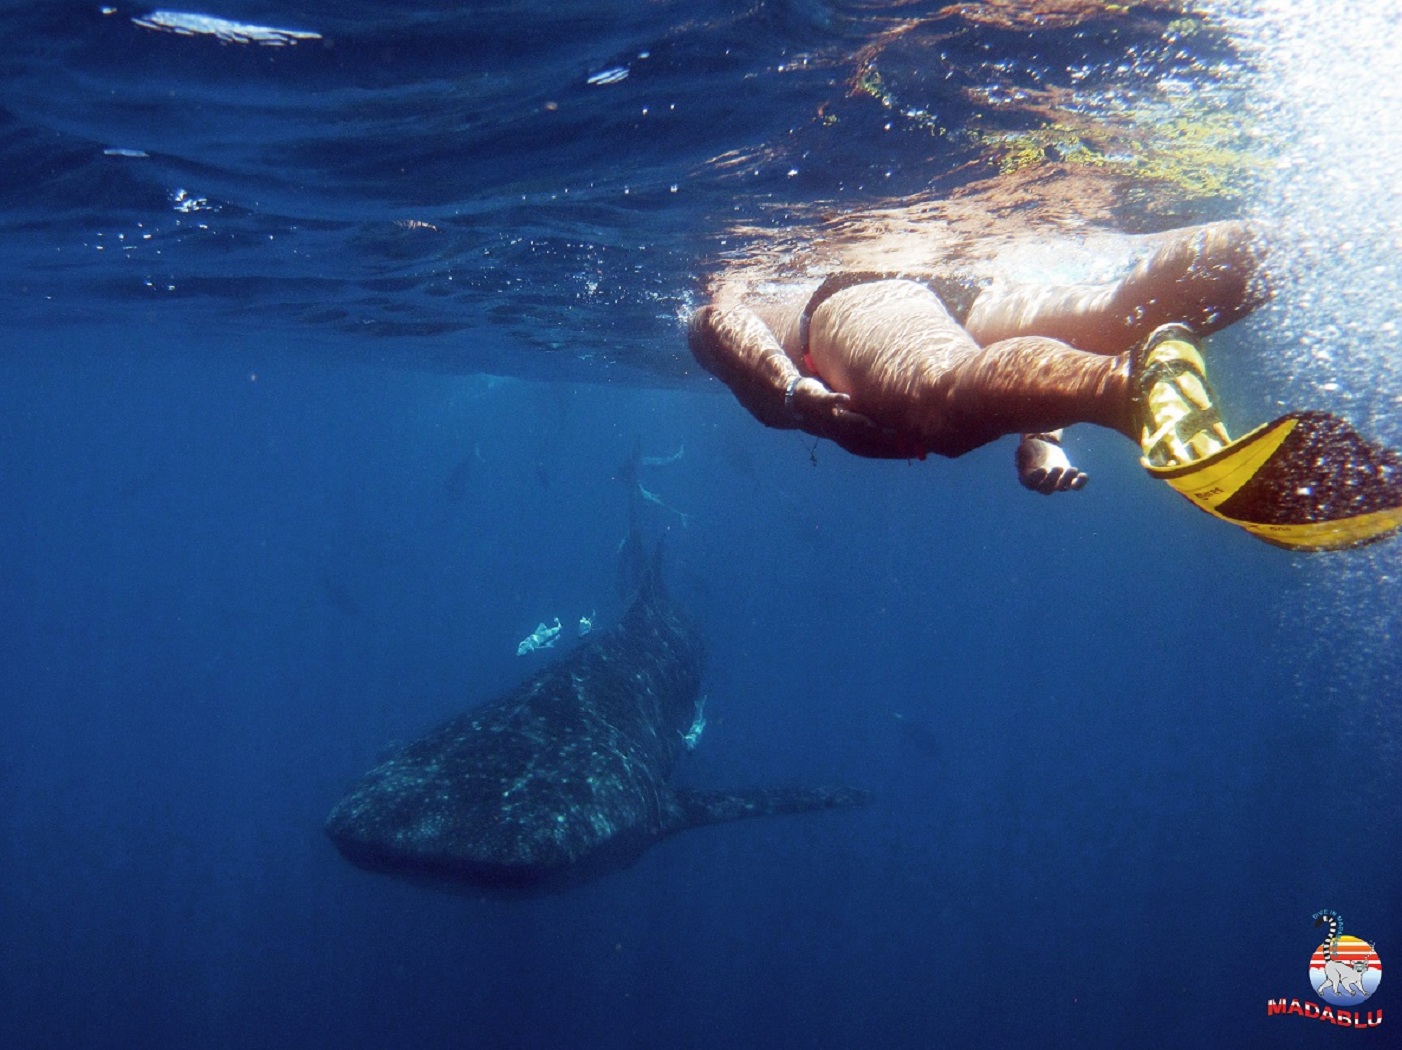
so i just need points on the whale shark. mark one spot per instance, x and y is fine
(566, 777)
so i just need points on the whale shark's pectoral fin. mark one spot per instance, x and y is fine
(692, 809)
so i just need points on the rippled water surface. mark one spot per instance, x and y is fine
(397, 177)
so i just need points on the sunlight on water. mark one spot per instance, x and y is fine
(1328, 93)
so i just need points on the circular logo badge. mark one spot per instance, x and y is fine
(1347, 974)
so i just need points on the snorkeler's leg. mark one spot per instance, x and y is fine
(1203, 276)
(909, 366)
(1206, 277)
(1028, 385)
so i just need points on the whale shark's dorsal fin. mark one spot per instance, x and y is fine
(632, 560)
(693, 809)
(638, 575)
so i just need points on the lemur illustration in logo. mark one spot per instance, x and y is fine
(1342, 977)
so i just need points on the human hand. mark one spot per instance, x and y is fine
(1042, 466)
(812, 402)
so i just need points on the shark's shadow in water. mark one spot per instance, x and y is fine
(563, 779)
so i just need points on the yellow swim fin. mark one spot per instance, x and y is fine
(1308, 481)
(1178, 417)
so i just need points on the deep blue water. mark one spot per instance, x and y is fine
(285, 482)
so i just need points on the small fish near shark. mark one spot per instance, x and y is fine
(563, 779)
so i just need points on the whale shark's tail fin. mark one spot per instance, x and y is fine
(693, 809)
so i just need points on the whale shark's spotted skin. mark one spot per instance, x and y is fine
(561, 779)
